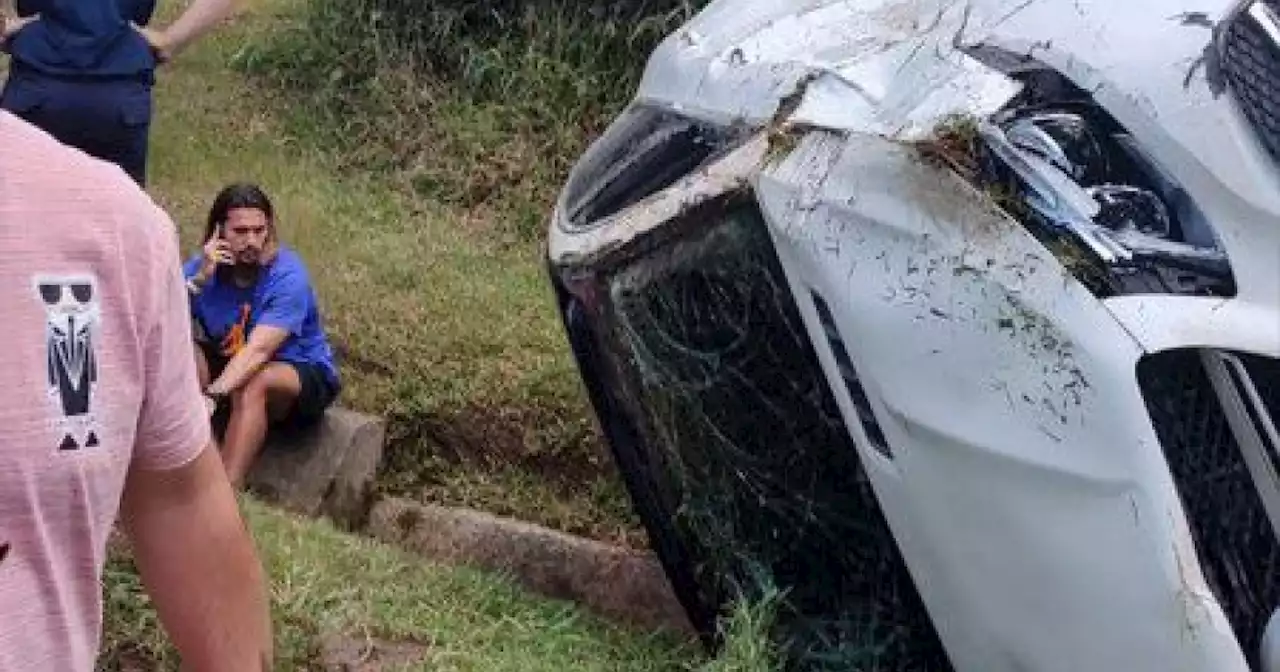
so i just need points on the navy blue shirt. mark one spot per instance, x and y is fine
(282, 298)
(85, 37)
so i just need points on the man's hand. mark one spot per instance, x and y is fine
(200, 17)
(210, 405)
(13, 24)
(216, 251)
(199, 565)
(264, 341)
(159, 41)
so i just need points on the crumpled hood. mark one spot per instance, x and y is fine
(897, 68)
(894, 67)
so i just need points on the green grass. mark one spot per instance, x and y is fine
(482, 104)
(746, 632)
(446, 327)
(325, 582)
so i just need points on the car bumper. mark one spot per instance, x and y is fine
(1036, 452)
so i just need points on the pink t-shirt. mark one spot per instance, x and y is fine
(96, 376)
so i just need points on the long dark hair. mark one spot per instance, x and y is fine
(242, 195)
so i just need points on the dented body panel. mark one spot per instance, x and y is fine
(1013, 417)
(1027, 486)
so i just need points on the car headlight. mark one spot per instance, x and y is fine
(645, 150)
(1083, 185)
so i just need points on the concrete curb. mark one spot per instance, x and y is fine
(616, 583)
(328, 470)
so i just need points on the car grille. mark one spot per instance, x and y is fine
(1234, 538)
(733, 447)
(1251, 64)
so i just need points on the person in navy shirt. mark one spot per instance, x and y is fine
(83, 70)
(260, 339)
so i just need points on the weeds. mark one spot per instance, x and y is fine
(451, 335)
(477, 109)
(955, 143)
(325, 583)
(483, 106)
(431, 320)
(747, 637)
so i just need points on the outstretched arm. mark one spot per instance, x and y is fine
(199, 18)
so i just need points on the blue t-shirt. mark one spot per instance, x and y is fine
(282, 298)
(85, 37)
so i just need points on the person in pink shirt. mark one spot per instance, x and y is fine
(102, 420)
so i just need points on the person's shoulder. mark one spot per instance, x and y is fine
(288, 270)
(288, 263)
(48, 163)
(43, 175)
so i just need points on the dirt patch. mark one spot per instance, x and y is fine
(343, 653)
(344, 355)
(539, 441)
(128, 659)
(544, 465)
(954, 144)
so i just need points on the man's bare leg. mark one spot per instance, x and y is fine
(268, 395)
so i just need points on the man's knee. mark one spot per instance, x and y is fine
(276, 384)
(255, 391)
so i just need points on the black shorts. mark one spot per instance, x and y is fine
(316, 395)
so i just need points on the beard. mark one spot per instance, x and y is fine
(241, 273)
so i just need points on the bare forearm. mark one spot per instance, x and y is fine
(240, 369)
(199, 566)
(199, 18)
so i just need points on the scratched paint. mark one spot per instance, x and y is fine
(1026, 488)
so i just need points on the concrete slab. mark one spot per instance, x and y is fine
(616, 583)
(327, 470)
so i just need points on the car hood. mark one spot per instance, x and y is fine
(898, 67)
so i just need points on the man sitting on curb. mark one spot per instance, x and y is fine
(263, 346)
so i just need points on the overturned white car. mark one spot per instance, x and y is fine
(958, 321)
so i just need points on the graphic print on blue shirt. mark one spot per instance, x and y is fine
(281, 298)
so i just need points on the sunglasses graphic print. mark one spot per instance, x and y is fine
(71, 322)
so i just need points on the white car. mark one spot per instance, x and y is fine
(958, 321)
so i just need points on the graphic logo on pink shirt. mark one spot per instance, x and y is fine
(71, 325)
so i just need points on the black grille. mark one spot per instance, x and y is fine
(1234, 540)
(733, 447)
(1251, 63)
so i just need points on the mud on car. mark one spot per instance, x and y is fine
(958, 322)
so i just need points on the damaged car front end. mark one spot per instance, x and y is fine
(958, 322)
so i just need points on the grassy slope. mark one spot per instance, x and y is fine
(326, 582)
(390, 275)
(447, 330)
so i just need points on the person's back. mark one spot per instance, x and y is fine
(95, 384)
(84, 70)
(85, 38)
